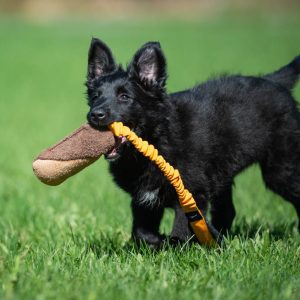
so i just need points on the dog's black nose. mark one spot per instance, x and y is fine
(97, 115)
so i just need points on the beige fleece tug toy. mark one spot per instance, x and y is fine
(72, 154)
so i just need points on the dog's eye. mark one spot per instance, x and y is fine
(94, 97)
(123, 97)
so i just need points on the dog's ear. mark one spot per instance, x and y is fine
(100, 60)
(149, 66)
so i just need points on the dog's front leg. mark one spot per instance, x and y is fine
(146, 221)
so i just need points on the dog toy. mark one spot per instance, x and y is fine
(72, 154)
(86, 145)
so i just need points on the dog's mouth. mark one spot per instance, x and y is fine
(114, 153)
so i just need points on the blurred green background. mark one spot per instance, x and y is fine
(68, 241)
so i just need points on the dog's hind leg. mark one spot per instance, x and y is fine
(283, 177)
(223, 211)
(181, 231)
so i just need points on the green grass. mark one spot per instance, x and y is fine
(71, 241)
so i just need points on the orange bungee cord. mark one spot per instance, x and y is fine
(186, 200)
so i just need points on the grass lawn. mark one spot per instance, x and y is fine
(71, 241)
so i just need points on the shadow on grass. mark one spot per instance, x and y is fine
(110, 247)
(276, 231)
(109, 244)
(118, 243)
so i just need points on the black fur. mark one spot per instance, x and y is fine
(210, 133)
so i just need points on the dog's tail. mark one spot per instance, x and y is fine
(288, 75)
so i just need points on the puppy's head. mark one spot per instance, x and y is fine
(130, 96)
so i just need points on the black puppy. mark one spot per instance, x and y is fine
(210, 133)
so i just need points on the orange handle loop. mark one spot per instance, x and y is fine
(187, 202)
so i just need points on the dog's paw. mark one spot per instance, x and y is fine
(153, 241)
